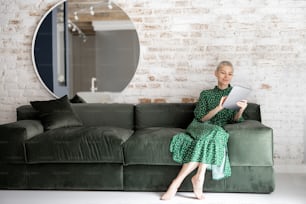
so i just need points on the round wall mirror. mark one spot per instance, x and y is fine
(85, 46)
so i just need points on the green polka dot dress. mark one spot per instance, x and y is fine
(206, 142)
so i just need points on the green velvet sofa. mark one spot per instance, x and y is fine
(126, 147)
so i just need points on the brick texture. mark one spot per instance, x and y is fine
(181, 43)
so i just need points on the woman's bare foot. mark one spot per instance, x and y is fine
(197, 185)
(170, 192)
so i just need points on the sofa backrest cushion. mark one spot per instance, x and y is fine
(92, 114)
(97, 114)
(178, 115)
(252, 112)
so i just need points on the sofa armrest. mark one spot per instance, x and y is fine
(250, 144)
(12, 137)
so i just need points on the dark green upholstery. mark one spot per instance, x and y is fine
(126, 147)
(157, 178)
(13, 176)
(250, 144)
(252, 112)
(141, 147)
(117, 115)
(12, 137)
(255, 179)
(91, 176)
(149, 165)
(27, 112)
(78, 144)
(56, 113)
(178, 115)
(150, 146)
(65, 176)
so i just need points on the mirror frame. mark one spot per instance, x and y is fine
(34, 59)
(33, 46)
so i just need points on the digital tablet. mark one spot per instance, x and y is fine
(237, 93)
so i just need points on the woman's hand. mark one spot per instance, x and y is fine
(242, 104)
(214, 111)
(220, 106)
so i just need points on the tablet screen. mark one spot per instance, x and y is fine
(237, 93)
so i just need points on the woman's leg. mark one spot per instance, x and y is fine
(198, 181)
(185, 170)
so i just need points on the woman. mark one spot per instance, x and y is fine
(204, 144)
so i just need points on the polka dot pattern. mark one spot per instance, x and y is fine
(208, 100)
(205, 142)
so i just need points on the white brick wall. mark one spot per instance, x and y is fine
(181, 43)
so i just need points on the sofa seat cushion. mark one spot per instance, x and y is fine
(150, 146)
(250, 144)
(77, 145)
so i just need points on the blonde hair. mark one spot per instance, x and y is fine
(224, 63)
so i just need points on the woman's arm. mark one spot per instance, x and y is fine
(214, 111)
(242, 104)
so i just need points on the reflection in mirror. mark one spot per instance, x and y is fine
(85, 46)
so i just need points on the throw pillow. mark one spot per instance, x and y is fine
(56, 113)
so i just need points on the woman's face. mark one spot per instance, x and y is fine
(224, 75)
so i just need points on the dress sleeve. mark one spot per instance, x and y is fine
(201, 107)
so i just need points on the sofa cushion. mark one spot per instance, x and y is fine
(92, 114)
(150, 146)
(27, 112)
(56, 113)
(250, 144)
(99, 114)
(252, 112)
(77, 145)
(177, 115)
(12, 136)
